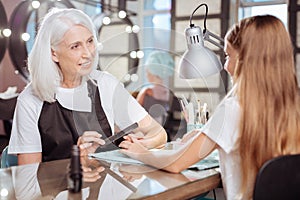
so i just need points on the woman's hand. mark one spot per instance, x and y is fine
(154, 135)
(89, 142)
(91, 169)
(130, 177)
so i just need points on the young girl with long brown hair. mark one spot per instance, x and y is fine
(258, 120)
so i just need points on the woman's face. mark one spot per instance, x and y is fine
(231, 57)
(76, 52)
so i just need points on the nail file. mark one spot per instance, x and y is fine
(120, 134)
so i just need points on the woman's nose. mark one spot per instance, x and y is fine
(87, 51)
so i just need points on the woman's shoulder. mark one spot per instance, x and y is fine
(28, 97)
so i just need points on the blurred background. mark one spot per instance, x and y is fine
(129, 30)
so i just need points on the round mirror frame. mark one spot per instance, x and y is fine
(18, 24)
(133, 41)
(3, 25)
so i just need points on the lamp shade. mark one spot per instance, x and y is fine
(198, 61)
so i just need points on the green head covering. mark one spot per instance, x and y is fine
(160, 64)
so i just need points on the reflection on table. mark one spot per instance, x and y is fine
(118, 181)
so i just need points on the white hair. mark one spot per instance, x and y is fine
(45, 73)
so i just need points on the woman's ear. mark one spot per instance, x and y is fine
(54, 56)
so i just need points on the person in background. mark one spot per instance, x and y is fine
(157, 97)
(7, 107)
(68, 101)
(258, 120)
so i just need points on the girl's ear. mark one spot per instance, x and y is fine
(54, 56)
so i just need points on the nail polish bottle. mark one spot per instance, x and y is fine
(75, 171)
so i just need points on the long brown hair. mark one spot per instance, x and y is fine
(267, 90)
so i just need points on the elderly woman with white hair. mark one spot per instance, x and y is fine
(68, 101)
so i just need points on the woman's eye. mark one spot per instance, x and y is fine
(91, 40)
(74, 46)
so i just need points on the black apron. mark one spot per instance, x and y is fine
(60, 127)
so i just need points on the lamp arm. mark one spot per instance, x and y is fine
(205, 16)
(209, 34)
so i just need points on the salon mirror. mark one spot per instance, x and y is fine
(3, 25)
(119, 46)
(23, 23)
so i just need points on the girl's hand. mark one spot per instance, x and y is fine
(146, 141)
(132, 146)
(89, 142)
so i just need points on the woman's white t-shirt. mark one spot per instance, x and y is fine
(119, 106)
